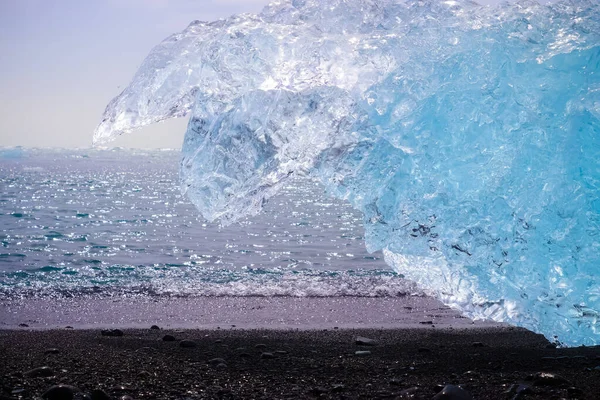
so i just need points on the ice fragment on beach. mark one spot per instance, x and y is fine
(468, 136)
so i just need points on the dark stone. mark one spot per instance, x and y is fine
(60, 392)
(408, 393)
(424, 350)
(573, 391)
(40, 372)
(317, 391)
(51, 351)
(363, 341)
(518, 390)
(188, 344)
(426, 322)
(112, 332)
(266, 355)
(169, 338)
(549, 379)
(216, 361)
(451, 392)
(99, 394)
(245, 355)
(362, 353)
(68, 327)
(24, 325)
(155, 327)
(260, 346)
(478, 344)
(338, 388)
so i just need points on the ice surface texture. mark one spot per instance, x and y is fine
(468, 136)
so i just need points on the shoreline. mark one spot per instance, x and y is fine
(224, 312)
(487, 362)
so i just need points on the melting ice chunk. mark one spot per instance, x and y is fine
(468, 136)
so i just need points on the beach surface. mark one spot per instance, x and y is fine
(256, 312)
(277, 348)
(488, 363)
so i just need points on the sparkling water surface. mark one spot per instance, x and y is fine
(110, 222)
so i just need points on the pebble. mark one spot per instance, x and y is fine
(363, 353)
(60, 392)
(518, 389)
(99, 394)
(364, 341)
(216, 361)
(112, 332)
(245, 355)
(549, 379)
(408, 393)
(478, 344)
(451, 392)
(266, 355)
(40, 372)
(260, 346)
(338, 388)
(187, 344)
(155, 327)
(51, 351)
(24, 325)
(573, 391)
(168, 338)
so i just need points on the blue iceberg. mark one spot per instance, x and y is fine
(468, 136)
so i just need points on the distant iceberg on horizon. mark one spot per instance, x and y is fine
(468, 136)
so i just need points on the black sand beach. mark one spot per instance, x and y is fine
(489, 363)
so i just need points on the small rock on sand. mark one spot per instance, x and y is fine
(451, 392)
(52, 351)
(60, 392)
(266, 355)
(168, 338)
(363, 341)
(362, 353)
(44, 372)
(188, 344)
(112, 332)
(216, 361)
(99, 394)
(155, 327)
(549, 379)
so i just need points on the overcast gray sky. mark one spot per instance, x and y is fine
(64, 60)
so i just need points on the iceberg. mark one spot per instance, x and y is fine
(468, 136)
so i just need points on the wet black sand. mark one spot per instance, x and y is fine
(489, 363)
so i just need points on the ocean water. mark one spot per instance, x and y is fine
(109, 223)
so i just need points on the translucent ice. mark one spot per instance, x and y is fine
(468, 136)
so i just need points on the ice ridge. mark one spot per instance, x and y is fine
(468, 136)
